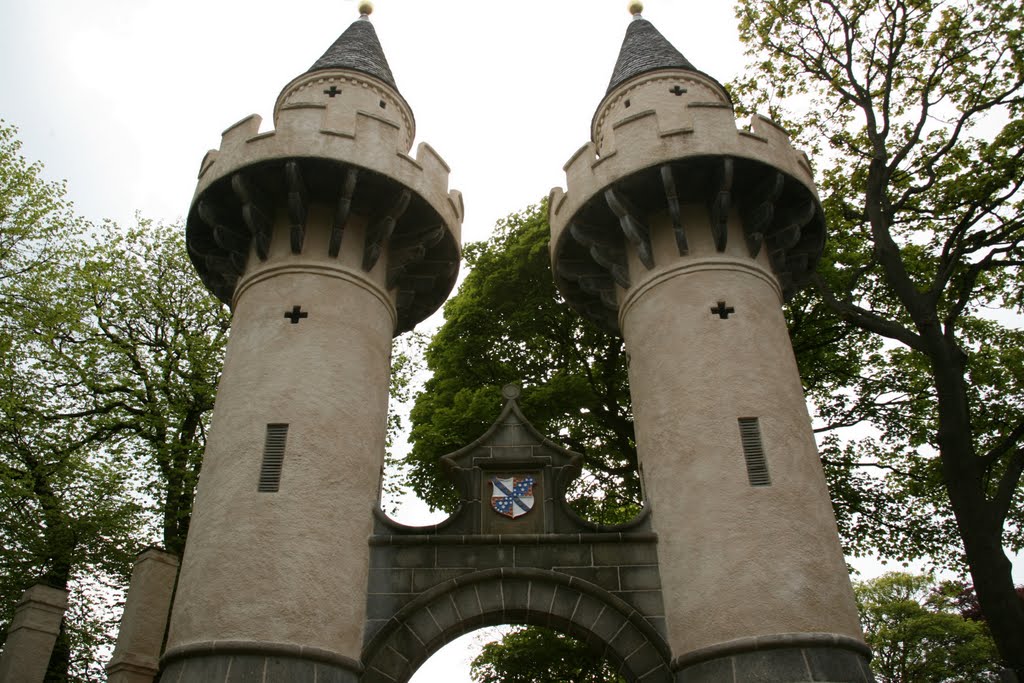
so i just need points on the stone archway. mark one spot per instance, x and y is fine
(574, 606)
(487, 565)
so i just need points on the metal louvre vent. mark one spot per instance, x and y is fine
(273, 458)
(753, 451)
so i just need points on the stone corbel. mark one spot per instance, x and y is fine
(759, 211)
(417, 277)
(256, 217)
(382, 228)
(675, 212)
(229, 239)
(786, 233)
(592, 279)
(298, 206)
(606, 254)
(632, 227)
(721, 200)
(407, 250)
(342, 211)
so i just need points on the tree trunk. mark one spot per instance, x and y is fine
(979, 526)
(1000, 604)
(57, 671)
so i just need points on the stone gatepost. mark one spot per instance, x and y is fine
(147, 606)
(32, 634)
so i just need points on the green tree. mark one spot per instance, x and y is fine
(917, 634)
(128, 346)
(110, 351)
(914, 108)
(66, 515)
(535, 654)
(508, 324)
(136, 344)
(35, 216)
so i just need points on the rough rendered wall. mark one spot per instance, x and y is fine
(736, 560)
(252, 569)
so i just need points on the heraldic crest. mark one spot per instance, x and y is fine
(513, 496)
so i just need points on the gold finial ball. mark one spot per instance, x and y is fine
(636, 7)
(365, 8)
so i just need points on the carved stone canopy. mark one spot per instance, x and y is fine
(513, 447)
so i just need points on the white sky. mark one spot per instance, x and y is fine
(122, 98)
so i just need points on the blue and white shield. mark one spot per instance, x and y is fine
(513, 496)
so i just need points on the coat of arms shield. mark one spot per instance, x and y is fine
(513, 496)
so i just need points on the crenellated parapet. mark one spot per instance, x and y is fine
(348, 152)
(347, 93)
(662, 143)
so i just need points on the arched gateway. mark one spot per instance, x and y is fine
(327, 237)
(514, 552)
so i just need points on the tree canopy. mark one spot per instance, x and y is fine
(918, 633)
(536, 654)
(136, 345)
(913, 111)
(110, 351)
(507, 324)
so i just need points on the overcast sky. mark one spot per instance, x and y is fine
(122, 98)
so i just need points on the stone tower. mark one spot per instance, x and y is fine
(686, 234)
(327, 239)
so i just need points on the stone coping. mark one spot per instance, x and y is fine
(159, 554)
(771, 642)
(249, 647)
(515, 539)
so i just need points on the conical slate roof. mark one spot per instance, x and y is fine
(645, 49)
(359, 50)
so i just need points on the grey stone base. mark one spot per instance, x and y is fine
(237, 662)
(786, 658)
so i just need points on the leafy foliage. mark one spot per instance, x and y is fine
(407, 372)
(63, 512)
(536, 654)
(35, 218)
(914, 108)
(134, 345)
(507, 324)
(918, 634)
(109, 357)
